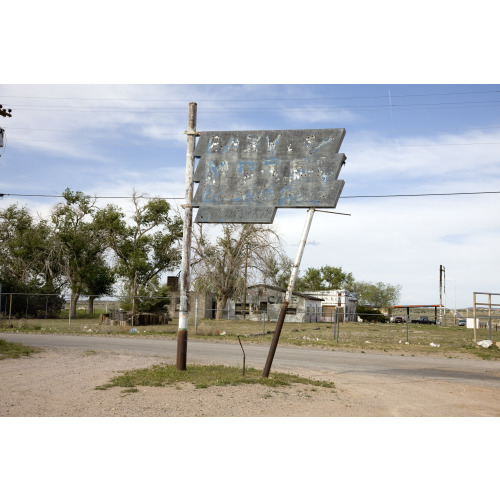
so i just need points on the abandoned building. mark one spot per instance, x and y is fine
(261, 299)
(267, 299)
(341, 301)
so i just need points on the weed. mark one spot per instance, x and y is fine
(15, 350)
(203, 376)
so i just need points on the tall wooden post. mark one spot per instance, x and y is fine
(245, 290)
(288, 296)
(182, 333)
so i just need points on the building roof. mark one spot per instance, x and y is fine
(283, 290)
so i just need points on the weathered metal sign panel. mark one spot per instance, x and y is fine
(245, 176)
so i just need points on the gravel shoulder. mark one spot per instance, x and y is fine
(61, 382)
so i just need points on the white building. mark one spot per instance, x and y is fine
(341, 301)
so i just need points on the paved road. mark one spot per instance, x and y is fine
(321, 363)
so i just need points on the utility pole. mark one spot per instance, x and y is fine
(186, 239)
(441, 285)
(245, 291)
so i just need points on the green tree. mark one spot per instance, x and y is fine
(29, 264)
(335, 279)
(377, 294)
(151, 298)
(312, 279)
(82, 245)
(323, 278)
(147, 247)
(278, 269)
(98, 279)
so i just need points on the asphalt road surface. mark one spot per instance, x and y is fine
(313, 362)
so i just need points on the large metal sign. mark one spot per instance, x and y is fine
(245, 176)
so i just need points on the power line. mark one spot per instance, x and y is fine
(96, 197)
(345, 197)
(253, 100)
(420, 194)
(39, 107)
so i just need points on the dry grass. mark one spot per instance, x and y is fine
(452, 340)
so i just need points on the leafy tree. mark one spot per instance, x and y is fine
(376, 294)
(370, 314)
(82, 245)
(28, 263)
(146, 248)
(98, 279)
(335, 279)
(312, 279)
(218, 266)
(151, 298)
(323, 278)
(277, 269)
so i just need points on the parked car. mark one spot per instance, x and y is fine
(423, 320)
(399, 319)
(462, 322)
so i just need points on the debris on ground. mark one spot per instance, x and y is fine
(133, 330)
(432, 344)
(485, 343)
(223, 333)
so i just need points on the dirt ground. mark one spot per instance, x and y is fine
(61, 383)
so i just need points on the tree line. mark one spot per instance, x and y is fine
(88, 250)
(91, 251)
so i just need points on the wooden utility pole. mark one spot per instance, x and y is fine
(245, 291)
(186, 240)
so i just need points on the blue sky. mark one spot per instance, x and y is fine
(400, 139)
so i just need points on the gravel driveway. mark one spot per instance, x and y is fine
(61, 381)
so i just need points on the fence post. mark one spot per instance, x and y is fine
(338, 326)
(334, 319)
(196, 316)
(46, 306)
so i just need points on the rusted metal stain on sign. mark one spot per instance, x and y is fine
(245, 176)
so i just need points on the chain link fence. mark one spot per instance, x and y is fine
(52, 312)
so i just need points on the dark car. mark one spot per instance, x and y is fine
(461, 322)
(399, 319)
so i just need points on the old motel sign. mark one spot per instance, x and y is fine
(245, 176)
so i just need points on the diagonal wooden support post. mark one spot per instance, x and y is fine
(288, 296)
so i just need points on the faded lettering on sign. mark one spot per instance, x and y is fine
(245, 176)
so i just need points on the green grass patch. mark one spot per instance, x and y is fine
(15, 350)
(204, 376)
